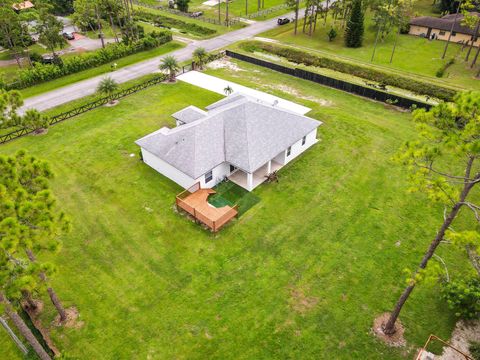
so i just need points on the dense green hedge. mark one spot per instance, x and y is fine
(168, 22)
(44, 72)
(302, 57)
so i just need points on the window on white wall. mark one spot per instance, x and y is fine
(289, 151)
(208, 176)
(304, 140)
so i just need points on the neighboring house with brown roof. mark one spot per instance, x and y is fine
(439, 28)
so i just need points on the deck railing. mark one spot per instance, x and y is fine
(214, 225)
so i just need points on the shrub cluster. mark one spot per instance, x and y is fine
(463, 296)
(309, 59)
(440, 72)
(44, 72)
(474, 349)
(168, 22)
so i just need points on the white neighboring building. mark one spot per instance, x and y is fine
(239, 137)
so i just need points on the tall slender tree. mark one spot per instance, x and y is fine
(294, 5)
(11, 32)
(34, 217)
(455, 19)
(453, 130)
(355, 27)
(50, 30)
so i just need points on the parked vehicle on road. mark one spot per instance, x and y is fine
(69, 35)
(283, 21)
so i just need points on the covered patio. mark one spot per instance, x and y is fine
(250, 181)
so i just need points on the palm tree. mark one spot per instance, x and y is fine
(228, 90)
(107, 87)
(170, 64)
(200, 56)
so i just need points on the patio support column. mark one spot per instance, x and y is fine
(269, 167)
(250, 181)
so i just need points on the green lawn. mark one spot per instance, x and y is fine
(218, 28)
(86, 74)
(231, 194)
(301, 274)
(414, 55)
(235, 7)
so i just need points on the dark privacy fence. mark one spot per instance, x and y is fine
(334, 83)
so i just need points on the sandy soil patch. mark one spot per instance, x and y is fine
(71, 321)
(300, 302)
(463, 334)
(289, 90)
(224, 64)
(394, 340)
(112, 103)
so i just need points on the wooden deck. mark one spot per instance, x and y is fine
(196, 203)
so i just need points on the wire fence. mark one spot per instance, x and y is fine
(346, 86)
(268, 11)
(192, 15)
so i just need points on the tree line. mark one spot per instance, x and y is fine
(16, 29)
(31, 226)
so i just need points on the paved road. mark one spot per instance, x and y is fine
(87, 87)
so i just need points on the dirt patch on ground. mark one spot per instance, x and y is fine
(40, 132)
(300, 302)
(463, 334)
(35, 310)
(112, 103)
(289, 90)
(71, 321)
(395, 340)
(224, 64)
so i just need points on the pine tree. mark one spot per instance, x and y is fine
(355, 27)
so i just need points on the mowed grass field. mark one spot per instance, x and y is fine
(413, 55)
(301, 274)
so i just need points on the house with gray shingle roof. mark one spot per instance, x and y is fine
(239, 137)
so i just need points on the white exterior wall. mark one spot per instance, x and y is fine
(182, 179)
(167, 170)
(458, 37)
(219, 173)
(298, 148)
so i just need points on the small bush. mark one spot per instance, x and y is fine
(463, 296)
(35, 57)
(440, 72)
(474, 349)
(44, 72)
(332, 34)
(309, 59)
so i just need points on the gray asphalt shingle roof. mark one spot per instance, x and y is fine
(241, 131)
(189, 114)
